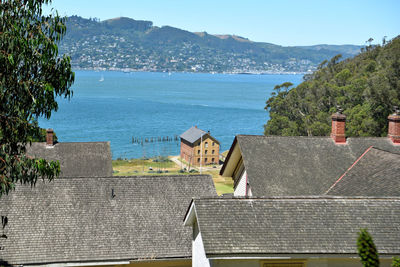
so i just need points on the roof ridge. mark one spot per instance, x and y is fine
(383, 150)
(280, 136)
(136, 177)
(312, 197)
(83, 142)
(305, 136)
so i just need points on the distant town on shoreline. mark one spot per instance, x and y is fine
(125, 44)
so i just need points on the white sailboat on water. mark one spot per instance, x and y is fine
(102, 78)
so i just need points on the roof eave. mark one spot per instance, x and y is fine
(228, 158)
(190, 215)
(286, 256)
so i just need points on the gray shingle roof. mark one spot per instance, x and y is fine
(297, 225)
(377, 173)
(193, 134)
(77, 159)
(77, 219)
(301, 165)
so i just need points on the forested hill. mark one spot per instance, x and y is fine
(366, 87)
(124, 43)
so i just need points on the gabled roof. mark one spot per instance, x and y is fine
(295, 225)
(298, 165)
(194, 134)
(100, 219)
(77, 159)
(375, 173)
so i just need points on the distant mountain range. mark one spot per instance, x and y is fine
(136, 45)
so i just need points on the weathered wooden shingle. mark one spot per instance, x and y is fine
(289, 225)
(77, 159)
(100, 219)
(301, 165)
(376, 173)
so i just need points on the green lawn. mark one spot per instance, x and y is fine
(223, 188)
(142, 167)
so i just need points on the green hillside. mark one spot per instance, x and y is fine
(124, 43)
(366, 87)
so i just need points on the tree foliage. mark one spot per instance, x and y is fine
(396, 262)
(367, 250)
(366, 87)
(32, 75)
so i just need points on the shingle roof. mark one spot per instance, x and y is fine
(99, 219)
(376, 173)
(77, 159)
(296, 225)
(300, 165)
(193, 134)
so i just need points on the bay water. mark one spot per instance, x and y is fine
(128, 108)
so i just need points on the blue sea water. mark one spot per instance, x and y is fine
(117, 107)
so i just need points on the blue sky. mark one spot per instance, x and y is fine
(283, 22)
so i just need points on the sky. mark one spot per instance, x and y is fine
(282, 22)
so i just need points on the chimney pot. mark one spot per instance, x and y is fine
(49, 137)
(339, 110)
(394, 126)
(338, 133)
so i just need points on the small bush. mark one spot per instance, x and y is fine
(367, 250)
(396, 262)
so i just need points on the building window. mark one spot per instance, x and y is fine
(198, 151)
(205, 151)
(206, 144)
(213, 159)
(212, 152)
(205, 160)
(198, 160)
(213, 143)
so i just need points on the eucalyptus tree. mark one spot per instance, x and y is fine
(366, 87)
(32, 75)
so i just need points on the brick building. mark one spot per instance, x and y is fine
(198, 146)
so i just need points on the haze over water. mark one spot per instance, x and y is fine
(117, 106)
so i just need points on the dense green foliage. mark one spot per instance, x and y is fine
(367, 250)
(396, 262)
(31, 77)
(366, 87)
(124, 43)
(41, 136)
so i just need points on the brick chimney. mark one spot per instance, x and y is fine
(394, 126)
(49, 137)
(338, 133)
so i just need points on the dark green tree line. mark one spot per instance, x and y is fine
(366, 87)
(32, 75)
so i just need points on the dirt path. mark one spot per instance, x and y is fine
(197, 168)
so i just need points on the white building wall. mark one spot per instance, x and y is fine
(199, 258)
(240, 189)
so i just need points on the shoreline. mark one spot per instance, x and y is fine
(128, 70)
